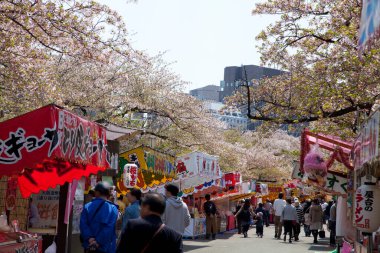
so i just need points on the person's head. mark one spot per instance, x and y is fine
(297, 204)
(268, 200)
(289, 201)
(171, 190)
(315, 201)
(91, 193)
(120, 197)
(208, 197)
(261, 205)
(281, 195)
(331, 202)
(242, 201)
(102, 190)
(247, 202)
(152, 204)
(134, 195)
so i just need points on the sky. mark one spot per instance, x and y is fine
(199, 37)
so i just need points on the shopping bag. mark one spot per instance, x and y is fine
(322, 234)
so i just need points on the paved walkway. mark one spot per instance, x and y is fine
(231, 242)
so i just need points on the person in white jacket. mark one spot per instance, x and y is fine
(176, 216)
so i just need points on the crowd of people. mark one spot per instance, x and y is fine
(157, 221)
(149, 223)
(289, 216)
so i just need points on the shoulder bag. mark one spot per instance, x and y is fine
(154, 236)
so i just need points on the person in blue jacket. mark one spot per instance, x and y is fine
(98, 221)
(133, 210)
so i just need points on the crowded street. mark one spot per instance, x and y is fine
(167, 126)
(232, 242)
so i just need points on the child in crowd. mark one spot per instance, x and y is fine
(260, 225)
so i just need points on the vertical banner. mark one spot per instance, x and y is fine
(369, 24)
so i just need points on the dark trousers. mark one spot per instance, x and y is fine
(259, 230)
(266, 218)
(307, 230)
(238, 221)
(245, 227)
(315, 234)
(288, 226)
(297, 231)
(332, 226)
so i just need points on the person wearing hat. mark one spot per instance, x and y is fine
(98, 221)
(176, 216)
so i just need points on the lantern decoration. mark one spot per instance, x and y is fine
(367, 208)
(130, 175)
(315, 167)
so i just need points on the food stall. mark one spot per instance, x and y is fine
(365, 196)
(152, 170)
(199, 174)
(48, 143)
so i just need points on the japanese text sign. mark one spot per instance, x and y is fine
(366, 209)
(50, 143)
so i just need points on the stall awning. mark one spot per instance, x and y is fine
(50, 146)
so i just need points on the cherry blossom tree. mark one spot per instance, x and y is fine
(326, 83)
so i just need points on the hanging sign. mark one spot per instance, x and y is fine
(369, 24)
(130, 175)
(367, 144)
(367, 208)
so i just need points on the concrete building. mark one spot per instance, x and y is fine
(231, 117)
(209, 92)
(233, 76)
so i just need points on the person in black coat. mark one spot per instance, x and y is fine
(148, 234)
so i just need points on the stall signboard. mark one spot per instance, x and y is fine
(50, 143)
(230, 179)
(153, 169)
(198, 163)
(335, 181)
(366, 145)
(367, 208)
(47, 205)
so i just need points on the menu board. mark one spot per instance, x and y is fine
(43, 209)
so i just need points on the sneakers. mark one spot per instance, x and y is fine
(245, 234)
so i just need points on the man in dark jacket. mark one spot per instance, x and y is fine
(148, 234)
(209, 208)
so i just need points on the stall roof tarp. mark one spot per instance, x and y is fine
(50, 146)
(115, 132)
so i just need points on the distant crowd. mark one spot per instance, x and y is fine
(289, 216)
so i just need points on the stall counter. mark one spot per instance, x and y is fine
(19, 242)
(196, 228)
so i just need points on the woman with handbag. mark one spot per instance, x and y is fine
(316, 218)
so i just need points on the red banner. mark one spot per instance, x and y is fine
(50, 146)
(230, 179)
